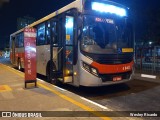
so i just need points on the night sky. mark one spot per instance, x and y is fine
(12, 9)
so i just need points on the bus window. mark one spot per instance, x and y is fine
(48, 33)
(69, 60)
(69, 30)
(21, 44)
(41, 34)
(54, 33)
(17, 41)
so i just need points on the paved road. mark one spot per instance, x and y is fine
(135, 95)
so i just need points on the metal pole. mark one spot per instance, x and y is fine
(154, 59)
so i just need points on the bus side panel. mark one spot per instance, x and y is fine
(19, 56)
(12, 51)
(76, 69)
(16, 57)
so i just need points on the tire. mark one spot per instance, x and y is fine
(48, 74)
(19, 65)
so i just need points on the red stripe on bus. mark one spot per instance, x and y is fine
(110, 69)
(19, 55)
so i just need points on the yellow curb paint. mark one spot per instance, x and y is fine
(12, 70)
(5, 88)
(98, 114)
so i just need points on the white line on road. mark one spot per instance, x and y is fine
(148, 76)
(41, 80)
(52, 85)
(59, 88)
(101, 106)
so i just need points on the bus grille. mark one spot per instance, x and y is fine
(109, 77)
(113, 59)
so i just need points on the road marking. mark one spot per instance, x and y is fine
(101, 106)
(52, 85)
(60, 88)
(96, 113)
(148, 76)
(5, 88)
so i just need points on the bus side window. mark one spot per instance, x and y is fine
(54, 33)
(17, 41)
(41, 40)
(48, 33)
(21, 40)
(69, 30)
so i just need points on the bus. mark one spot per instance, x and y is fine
(85, 43)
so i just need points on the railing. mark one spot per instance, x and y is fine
(147, 60)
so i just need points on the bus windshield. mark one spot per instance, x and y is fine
(104, 35)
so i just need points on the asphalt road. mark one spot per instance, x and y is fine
(135, 95)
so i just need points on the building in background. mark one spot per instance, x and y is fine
(24, 21)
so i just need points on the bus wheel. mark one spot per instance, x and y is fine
(48, 74)
(19, 65)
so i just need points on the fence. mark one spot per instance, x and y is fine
(147, 60)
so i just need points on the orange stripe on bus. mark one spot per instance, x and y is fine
(106, 69)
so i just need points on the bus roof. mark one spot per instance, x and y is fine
(76, 4)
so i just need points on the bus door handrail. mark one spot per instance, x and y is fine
(58, 52)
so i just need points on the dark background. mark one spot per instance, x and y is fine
(145, 15)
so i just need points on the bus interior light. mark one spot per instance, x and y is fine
(69, 22)
(101, 7)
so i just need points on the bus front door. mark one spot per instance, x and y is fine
(68, 49)
(62, 49)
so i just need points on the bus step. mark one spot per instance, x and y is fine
(60, 79)
(57, 74)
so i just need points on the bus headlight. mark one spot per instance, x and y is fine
(93, 70)
(86, 66)
(90, 69)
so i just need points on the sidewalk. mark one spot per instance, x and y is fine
(46, 97)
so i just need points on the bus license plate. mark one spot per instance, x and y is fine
(118, 78)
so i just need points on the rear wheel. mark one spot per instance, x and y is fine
(19, 65)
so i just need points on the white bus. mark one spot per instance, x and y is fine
(86, 43)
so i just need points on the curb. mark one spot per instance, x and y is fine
(146, 77)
